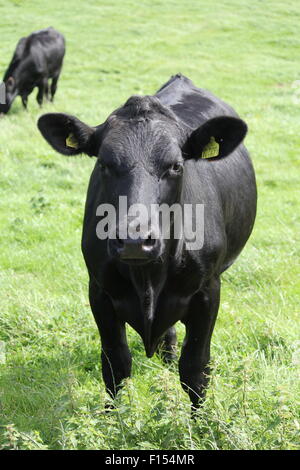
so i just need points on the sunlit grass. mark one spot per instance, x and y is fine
(51, 391)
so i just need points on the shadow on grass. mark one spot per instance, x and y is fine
(41, 393)
(46, 394)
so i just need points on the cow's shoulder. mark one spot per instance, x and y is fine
(191, 104)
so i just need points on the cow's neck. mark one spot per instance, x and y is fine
(149, 280)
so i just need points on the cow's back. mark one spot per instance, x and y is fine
(192, 105)
(42, 51)
(46, 48)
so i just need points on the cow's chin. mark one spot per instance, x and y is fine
(141, 260)
(136, 262)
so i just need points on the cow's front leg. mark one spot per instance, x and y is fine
(195, 356)
(115, 354)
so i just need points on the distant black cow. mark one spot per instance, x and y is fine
(37, 58)
(182, 145)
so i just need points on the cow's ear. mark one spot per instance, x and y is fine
(217, 138)
(10, 82)
(67, 134)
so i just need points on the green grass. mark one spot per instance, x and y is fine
(51, 391)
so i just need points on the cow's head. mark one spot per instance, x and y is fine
(141, 149)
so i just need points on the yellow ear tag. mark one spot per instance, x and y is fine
(211, 149)
(71, 141)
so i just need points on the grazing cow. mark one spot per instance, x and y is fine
(181, 146)
(37, 58)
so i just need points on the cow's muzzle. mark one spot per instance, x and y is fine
(135, 251)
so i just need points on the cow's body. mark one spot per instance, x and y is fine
(37, 58)
(180, 284)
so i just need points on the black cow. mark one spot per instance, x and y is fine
(153, 150)
(37, 58)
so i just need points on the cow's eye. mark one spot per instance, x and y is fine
(176, 169)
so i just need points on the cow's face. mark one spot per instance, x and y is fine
(141, 158)
(141, 165)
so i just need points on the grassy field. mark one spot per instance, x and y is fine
(51, 390)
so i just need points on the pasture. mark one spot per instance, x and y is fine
(51, 391)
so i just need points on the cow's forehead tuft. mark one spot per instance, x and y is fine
(136, 132)
(143, 107)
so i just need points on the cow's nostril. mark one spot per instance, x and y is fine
(149, 242)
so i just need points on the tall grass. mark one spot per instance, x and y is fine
(51, 391)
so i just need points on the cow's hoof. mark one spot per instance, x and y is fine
(169, 357)
(108, 407)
